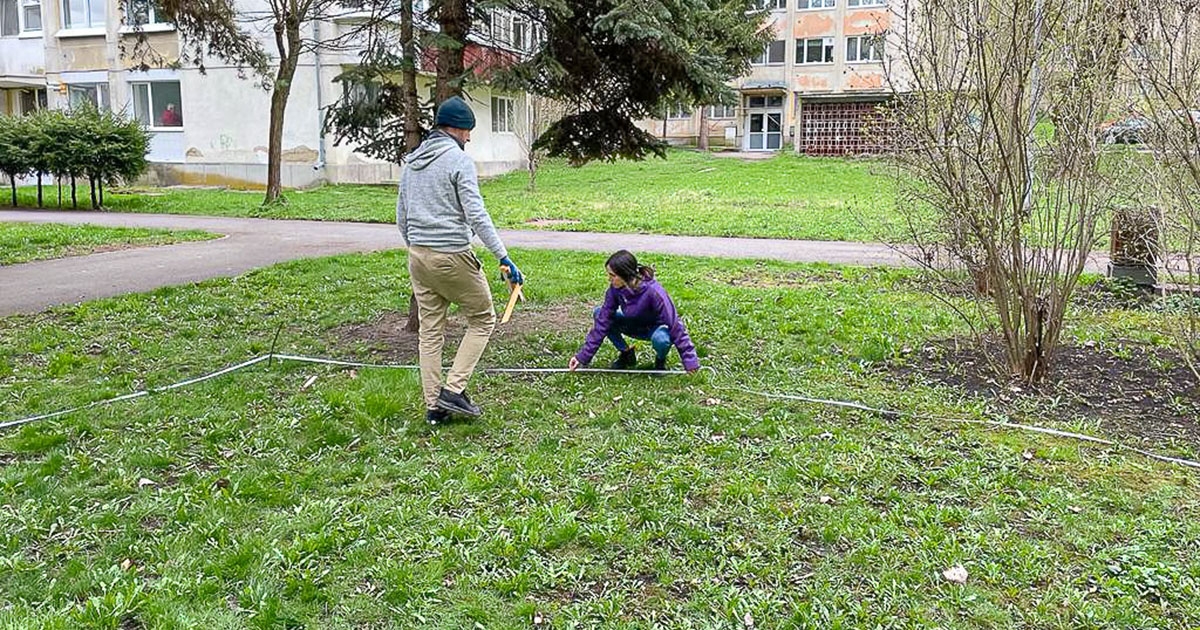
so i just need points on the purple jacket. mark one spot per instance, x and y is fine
(649, 305)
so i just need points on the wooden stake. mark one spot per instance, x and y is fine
(515, 294)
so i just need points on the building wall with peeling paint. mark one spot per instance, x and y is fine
(798, 81)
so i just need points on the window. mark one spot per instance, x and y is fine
(94, 94)
(502, 115)
(722, 111)
(760, 102)
(141, 13)
(864, 48)
(157, 105)
(866, 3)
(360, 93)
(817, 4)
(772, 54)
(817, 50)
(20, 16)
(32, 100)
(679, 112)
(83, 13)
(502, 27)
(10, 21)
(773, 5)
(520, 34)
(31, 16)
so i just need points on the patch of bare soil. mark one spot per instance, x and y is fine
(385, 338)
(1135, 392)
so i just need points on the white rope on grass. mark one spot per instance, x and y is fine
(498, 370)
(891, 414)
(318, 360)
(887, 413)
(137, 394)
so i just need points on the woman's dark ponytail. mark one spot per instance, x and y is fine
(625, 265)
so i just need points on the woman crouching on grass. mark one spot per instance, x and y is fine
(638, 306)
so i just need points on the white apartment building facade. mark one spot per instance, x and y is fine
(210, 128)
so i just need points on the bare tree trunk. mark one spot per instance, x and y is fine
(12, 180)
(74, 194)
(454, 18)
(40, 190)
(412, 118)
(412, 100)
(702, 140)
(288, 18)
(92, 190)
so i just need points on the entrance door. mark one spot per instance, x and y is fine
(764, 123)
(766, 131)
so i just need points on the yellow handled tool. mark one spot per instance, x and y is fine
(514, 294)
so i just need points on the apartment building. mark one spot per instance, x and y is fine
(22, 57)
(211, 128)
(815, 89)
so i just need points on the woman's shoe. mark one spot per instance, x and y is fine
(627, 360)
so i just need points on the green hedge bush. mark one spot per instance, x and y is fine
(102, 148)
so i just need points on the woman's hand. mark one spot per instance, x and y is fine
(573, 364)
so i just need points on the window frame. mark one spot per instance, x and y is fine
(858, 4)
(807, 5)
(879, 48)
(152, 20)
(102, 99)
(509, 117)
(23, 7)
(679, 112)
(770, 5)
(731, 110)
(66, 16)
(828, 51)
(154, 126)
(765, 57)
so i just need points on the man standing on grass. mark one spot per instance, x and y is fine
(438, 211)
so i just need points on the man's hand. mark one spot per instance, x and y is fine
(573, 364)
(514, 274)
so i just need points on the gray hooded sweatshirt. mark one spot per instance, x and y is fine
(440, 206)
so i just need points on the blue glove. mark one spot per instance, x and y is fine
(514, 274)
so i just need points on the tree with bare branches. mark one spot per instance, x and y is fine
(1004, 182)
(1165, 68)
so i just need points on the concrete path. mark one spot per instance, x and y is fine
(253, 243)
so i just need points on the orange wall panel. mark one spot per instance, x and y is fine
(866, 22)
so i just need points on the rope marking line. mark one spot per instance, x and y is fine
(885, 413)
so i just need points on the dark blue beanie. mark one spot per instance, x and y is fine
(455, 112)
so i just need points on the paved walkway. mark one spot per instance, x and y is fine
(253, 243)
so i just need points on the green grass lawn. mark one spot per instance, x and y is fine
(27, 242)
(583, 500)
(690, 193)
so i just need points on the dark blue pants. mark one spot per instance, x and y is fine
(658, 337)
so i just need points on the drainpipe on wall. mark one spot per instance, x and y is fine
(320, 114)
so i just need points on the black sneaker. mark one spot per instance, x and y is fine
(660, 364)
(458, 403)
(436, 416)
(627, 360)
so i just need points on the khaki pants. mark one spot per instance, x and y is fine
(439, 280)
